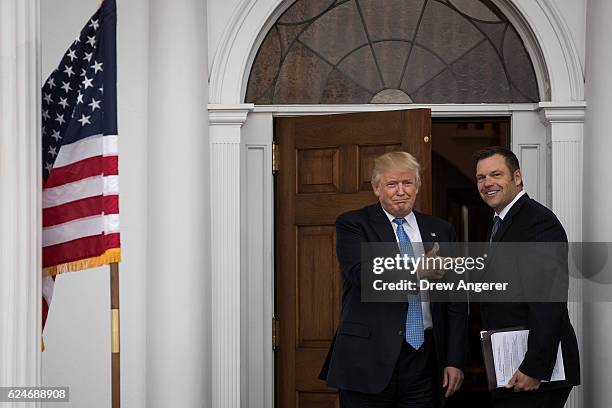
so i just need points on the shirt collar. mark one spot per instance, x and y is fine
(410, 219)
(507, 208)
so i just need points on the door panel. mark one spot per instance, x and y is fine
(325, 168)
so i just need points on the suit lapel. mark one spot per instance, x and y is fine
(381, 224)
(428, 235)
(507, 221)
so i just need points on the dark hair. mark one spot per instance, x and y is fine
(511, 159)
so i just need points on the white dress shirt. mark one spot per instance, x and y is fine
(507, 208)
(411, 227)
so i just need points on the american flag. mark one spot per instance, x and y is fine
(80, 157)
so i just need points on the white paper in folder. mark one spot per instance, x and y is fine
(509, 349)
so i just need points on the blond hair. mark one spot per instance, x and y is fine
(401, 161)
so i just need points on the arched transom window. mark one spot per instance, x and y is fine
(392, 51)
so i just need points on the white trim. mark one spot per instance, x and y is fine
(569, 49)
(565, 128)
(445, 110)
(21, 185)
(226, 255)
(570, 113)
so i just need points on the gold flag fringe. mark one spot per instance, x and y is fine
(110, 256)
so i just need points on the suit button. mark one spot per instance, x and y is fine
(400, 333)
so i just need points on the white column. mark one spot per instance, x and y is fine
(178, 284)
(565, 138)
(597, 225)
(226, 226)
(20, 185)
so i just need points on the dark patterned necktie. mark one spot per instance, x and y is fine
(496, 222)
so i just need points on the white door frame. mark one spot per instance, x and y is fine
(241, 136)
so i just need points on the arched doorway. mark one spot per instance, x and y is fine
(242, 136)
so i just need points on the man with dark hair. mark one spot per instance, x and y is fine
(394, 355)
(519, 218)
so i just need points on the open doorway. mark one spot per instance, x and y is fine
(456, 199)
(327, 162)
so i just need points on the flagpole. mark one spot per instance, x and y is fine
(115, 335)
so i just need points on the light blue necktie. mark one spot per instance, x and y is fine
(414, 319)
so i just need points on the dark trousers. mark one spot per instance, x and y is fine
(546, 399)
(413, 383)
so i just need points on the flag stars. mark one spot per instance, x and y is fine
(48, 167)
(51, 82)
(94, 104)
(79, 98)
(60, 119)
(68, 71)
(63, 102)
(56, 135)
(88, 56)
(84, 120)
(87, 82)
(45, 114)
(72, 54)
(47, 98)
(52, 151)
(97, 66)
(66, 86)
(91, 41)
(83, 72)
(94, 24)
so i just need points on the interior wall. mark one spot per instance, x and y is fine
(77, 334)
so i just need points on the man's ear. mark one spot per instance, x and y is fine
(375, 189)
(518, 177)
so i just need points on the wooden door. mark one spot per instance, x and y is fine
(325, 168)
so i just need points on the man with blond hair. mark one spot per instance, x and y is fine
(402, 354)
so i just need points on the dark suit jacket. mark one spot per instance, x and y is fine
(548, 322)
(369, 337)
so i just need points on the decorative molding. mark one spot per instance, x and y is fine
(570, 51)
(566, 129)
(226, 228)
(568, 113)
(446, 110)
(220, 114)
(221, 56)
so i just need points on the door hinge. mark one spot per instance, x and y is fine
(275, 157)
(275, 333)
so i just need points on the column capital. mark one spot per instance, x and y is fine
(225, 114)
(572, 112)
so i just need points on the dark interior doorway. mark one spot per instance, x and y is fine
(456, 199)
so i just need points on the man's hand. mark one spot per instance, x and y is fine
(432, 273)
(452, 379)
(522, 382)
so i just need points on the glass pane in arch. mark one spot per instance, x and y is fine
(392, 51)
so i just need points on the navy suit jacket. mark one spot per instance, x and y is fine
(368, 340)
(548, 322)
